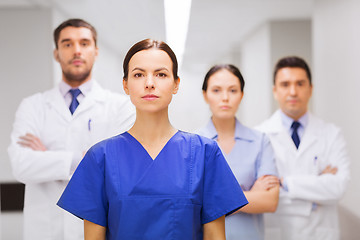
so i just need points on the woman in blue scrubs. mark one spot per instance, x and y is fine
(248, 152)
(153, 181)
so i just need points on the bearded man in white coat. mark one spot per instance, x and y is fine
(54, 129)
(311, 158)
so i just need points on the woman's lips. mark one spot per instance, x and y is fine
(150, 97)
(224, 107)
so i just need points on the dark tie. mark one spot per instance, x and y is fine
(74, 102)
(295, 137)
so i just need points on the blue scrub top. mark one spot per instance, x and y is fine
(251, 157)
(119, 186)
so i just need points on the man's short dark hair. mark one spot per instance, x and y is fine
(292, 62)
(74, 22)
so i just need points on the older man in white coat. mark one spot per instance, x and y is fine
(311, 158)
(54, 129)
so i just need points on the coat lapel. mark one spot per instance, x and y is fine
(275, 129)
(310, 135)
(54, 100)
(97, 94)
(277, 132)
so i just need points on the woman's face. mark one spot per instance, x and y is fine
(150, 81)
(223, 94)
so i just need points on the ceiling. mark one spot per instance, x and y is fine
(215, 26)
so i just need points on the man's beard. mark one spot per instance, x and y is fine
(80, 77)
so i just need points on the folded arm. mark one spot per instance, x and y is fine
(330, 185)
(31, 160)
(263, 196)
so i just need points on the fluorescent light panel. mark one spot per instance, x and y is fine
(177, 15)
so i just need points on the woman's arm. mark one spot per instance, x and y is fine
(263, 196)
(215, 230)
(94, 231)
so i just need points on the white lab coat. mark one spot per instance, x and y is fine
(101, 114)
(308, 210)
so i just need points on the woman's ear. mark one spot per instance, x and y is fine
(205, 97)
(177, 83)
(125, 86)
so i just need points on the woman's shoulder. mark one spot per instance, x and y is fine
(197, 138)
(200, 144)
(103, 146)
(104, 150)
(251, 134)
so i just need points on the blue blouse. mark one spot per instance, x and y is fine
(119, 186)
(251, 157)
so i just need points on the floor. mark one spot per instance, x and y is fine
(11, 225)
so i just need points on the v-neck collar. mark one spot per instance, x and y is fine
(242, 133)
(147, 153)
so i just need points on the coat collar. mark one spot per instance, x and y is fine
(55, 99)
(241, 132)
(273, 126)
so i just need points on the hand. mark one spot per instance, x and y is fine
(265, 182)
(31, 141)
(329, 170)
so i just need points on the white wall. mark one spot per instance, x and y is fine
(25, 67)
(336, 38)
(255, 67)
(291, 37)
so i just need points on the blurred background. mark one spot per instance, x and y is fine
(252, 34)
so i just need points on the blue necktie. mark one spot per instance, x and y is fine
(74, 102)
(295, 137)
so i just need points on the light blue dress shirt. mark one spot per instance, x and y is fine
(287, 121)
(251, 157)
(64, 88)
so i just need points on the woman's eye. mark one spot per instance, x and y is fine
(137, 75)
(215, 90)
(233, 90)
(162, 75)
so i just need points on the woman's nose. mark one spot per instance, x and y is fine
(225, 96)
(149, 83)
